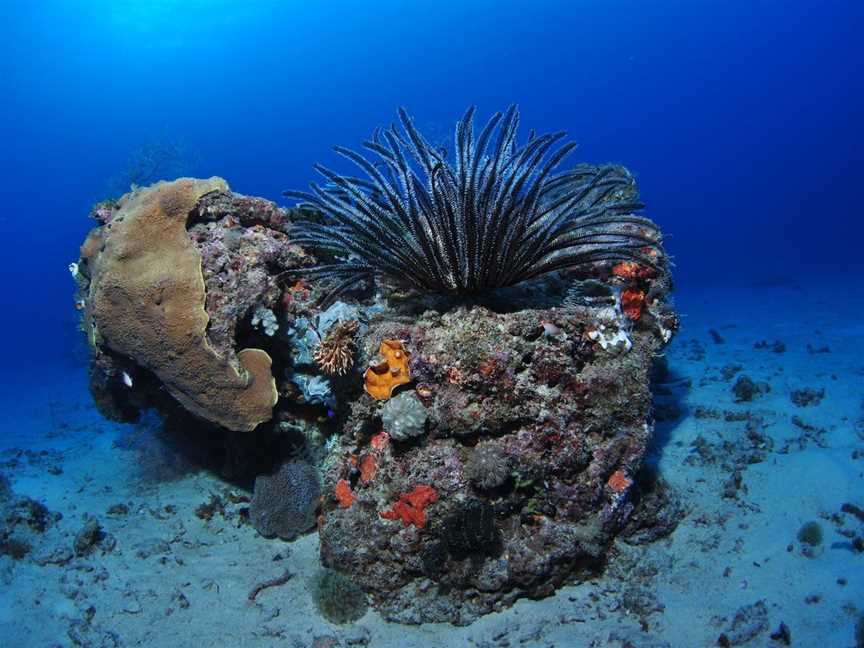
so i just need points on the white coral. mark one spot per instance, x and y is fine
(611, 330)
(611, 340)
(264, 318)
(404, 416)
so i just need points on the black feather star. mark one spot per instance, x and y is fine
(495, 217)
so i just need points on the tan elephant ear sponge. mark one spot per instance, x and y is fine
(147, 302)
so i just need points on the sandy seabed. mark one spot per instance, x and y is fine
(749, 475)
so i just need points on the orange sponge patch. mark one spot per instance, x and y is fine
(368, 468)
(389, 371)
(344, 494)
(411, 506)
(632, 302)
(619, 481)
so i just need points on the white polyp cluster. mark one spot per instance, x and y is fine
(613, 340)
(265, 319)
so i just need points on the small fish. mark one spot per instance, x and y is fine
(127, 379)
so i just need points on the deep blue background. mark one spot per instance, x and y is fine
(742, 120)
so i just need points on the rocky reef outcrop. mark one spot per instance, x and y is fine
(472, 452)
(537, 423)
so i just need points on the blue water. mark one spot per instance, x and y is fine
(740, 120)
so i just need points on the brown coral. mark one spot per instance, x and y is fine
(146, 302)
(389, 371)
(335, 354)
(284, 503)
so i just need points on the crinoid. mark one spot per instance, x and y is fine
(335, 354)
(494, 217)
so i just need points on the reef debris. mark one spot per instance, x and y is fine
(273, 582)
